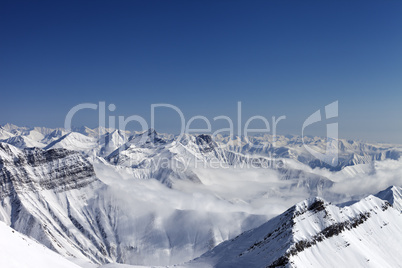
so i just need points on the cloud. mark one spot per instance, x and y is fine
(228, 202)
(361, 180)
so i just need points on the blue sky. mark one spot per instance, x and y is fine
(276, 57)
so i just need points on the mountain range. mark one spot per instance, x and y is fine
(99, 197)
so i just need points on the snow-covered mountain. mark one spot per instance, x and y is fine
(55, 197)
(111, 141)
(145, 198)
(74, 141)
(4, 134)
(393, 195)
(314, 233)
(350, 153)
(41, 194)
(23, 142)
(53, 136)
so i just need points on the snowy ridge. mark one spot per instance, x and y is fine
(73, 141)
(316, 233)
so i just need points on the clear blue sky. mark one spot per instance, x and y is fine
(277, 57)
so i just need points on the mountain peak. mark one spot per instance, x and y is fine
(151, 131)
(314, 204)
(147, 138)
(73, 141)
(205, 142)
(393, 195)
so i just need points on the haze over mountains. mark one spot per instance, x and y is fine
(99, 196)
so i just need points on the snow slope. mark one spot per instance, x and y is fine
(20, 251)
(314, 233)
(4, 134)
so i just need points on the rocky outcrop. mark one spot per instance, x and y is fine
(34, 169)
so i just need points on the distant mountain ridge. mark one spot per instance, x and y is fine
(289, 146)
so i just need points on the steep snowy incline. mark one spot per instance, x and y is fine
(20, 251)
(314, 233)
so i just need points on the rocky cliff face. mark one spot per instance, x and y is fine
(42, 191)
(34, 169)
